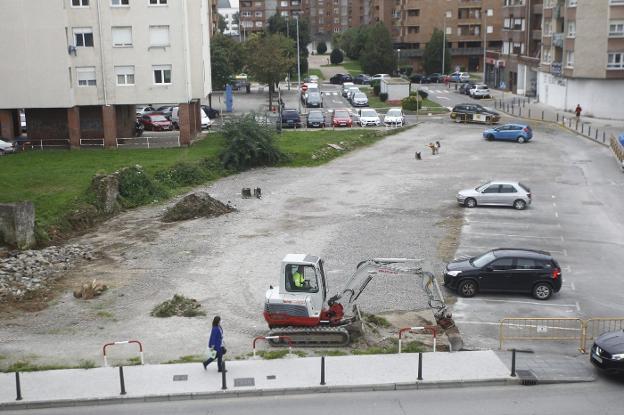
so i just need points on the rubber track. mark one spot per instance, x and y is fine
(311, 336)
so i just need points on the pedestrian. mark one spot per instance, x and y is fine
(577, 111)
(216, 349)
(437, 143)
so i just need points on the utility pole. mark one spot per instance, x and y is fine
(444, 44)
(288, 37)
(485, 42)
(298, 65)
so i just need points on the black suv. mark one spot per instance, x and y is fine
(505, 270)
(291, 118)
(474, 113)
(340, 78)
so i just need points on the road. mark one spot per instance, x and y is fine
(603, 397)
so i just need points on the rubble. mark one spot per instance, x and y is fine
(195, 205)
(22, 272)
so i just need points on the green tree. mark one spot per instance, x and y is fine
(269, 58)
(352, 41)
(288, 28)
(321, 48)
(221, 24)
(336, 56)
(432, 56)
(226, 56)
(378, 56)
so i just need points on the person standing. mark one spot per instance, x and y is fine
(577, 111)
(216, 343)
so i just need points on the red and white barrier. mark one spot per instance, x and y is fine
(432, 329)
(123, 342)
(287, 338)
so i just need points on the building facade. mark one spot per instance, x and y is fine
(230, 15)
(469, 25)
(582, 58)
(326, 17)
(255, 14)
(83, 65)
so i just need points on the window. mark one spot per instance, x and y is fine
(122, 36)
(572, 3)
(413, 29)
(492, 189)
(616, 28)
(83, 37)
(85, 75)
(507, 188)
(125, 75)
(301, 278)
(528, 263)
(258, 24)
(159, 35)
(285, 14)
(162, 74)
(570, 58)
(571, 29)
(615, 60)
(80, 3)
(158, 2)
(258, 14)
(283, 3)
(502, 264)
(245, 14)
(120, 3)
(413, 12)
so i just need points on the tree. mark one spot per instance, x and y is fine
(226, 56)
(221, 24)
(432, 56)
(269, 58)
(321, 48)
(352, 41)
(288, 27)
(336, 56)
(378, 56)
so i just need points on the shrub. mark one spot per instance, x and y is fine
(182, 174)
(383, 97)
(336, 56)
(321, 48)
(376, 85)
(411, 103)
(136, 188)
(178, 306)
(247, 145)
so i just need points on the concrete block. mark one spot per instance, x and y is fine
(17, 224)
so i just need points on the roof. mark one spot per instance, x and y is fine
(528, 253)
(223, 4)
(395, 81)
(300, 258)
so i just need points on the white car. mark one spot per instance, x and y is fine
(394, 117)
(205, 121)
(144, 109)
(379, 77)
(369, 117)
(460, 76)
(6, 147)
(480, 91)
(345, 88)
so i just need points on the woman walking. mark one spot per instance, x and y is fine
(216, 343)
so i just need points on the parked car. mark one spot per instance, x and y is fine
(480, 91)
(166, 110)
(466, 87)
(6, 147)
(369, 117)
(144, 109)
(314, 100)
(351, 91)
(341, 118)
(607, 352)
(511, 132)
(345, 88)
(340, 78)
(312, 79)
(379, 76)
(505, 270)
(496, 193)
(362, 79)
(474, 113)
(211, 112)
(291, 118)
(459, 77)
(394, 117)
(420, 78)
(206, 122)
(435, 78)
(359, 99)
(316, 119)
(156, 121)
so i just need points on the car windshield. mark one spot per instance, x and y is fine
(359, 95)
(315, 115)
(314, 96)
(341, 114)
(393, 113)
(482, 187)
(158, 118)
(483, 260)
(368, 113)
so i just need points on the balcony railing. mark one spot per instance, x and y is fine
(557, 39)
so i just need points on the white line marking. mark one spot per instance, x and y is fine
(520, 302)
(565, 252)
(562, 240)
(512, 235)
(556, 214)
(572, 286)
(469, 221)
(439, 97)
(554, 205)
(578, 307)
(554, 197)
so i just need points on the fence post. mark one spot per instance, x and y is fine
(557, 116)
(542, 115)
(148, 145)
(18, 386)
(513, 363)
(223, 378)
(589, 131)
(520, 111)
(529, 113)
(121, 381)
(420, 366)
(322, 370)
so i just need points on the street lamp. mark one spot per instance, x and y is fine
(444, 43)
(484, 42)
(298, 62)
(399, 61)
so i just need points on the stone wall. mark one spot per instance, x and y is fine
(17, 224)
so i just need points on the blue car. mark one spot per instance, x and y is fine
(510, 132)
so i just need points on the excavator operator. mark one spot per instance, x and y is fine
(298, 278)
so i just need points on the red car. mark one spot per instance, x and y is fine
(156, 121)
(342, 118)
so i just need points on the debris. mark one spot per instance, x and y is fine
(195, 205)
(335, 147)
(180, 306)
(89, 291)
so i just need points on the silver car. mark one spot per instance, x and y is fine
(496, 193)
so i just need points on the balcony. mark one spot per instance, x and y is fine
(557, 39)
(536, 35)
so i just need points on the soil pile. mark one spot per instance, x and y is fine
(196, 205)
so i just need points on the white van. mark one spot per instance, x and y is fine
(205, 121)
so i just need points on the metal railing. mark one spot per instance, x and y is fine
(594, 327)
(123, 342)
(144, 141)
(92, 142)
(42, 144)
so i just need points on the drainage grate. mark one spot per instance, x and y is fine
(271, 377)
(526, 377)
(178, 378)
(593, 203)
(244, 382)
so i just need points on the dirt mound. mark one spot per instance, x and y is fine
(196, 205)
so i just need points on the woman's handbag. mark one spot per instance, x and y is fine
(223, 350)
(211, 353)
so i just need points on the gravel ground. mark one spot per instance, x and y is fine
(375, 202)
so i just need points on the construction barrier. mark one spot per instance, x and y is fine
(288, 340)
(594, 327)
(432, 329)
(123, 342)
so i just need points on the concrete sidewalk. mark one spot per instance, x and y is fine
(257, 378)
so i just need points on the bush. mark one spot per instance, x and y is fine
(420, 93)
(383, 97)
(336, 56)
(376, 87)
(321, 48)
(179, 305)
(182, 174)
(247, 145)
(411, 103)
(136, 188)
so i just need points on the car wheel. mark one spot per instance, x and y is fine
(542, 291)
(470, 202)
(490, 137)
(520, 139)
(519, 204)
(467, 288)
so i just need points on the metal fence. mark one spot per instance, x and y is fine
(43, 144)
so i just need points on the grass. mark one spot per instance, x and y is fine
(315, 71)
(331, 353)
(26, 366)
(432, 106)
(353, 67)
(185, 359)
(272, 354)
(179, 305)
(376, 320)
(104, 314)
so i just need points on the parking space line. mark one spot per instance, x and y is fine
(513, 236)
(556, 214)
(439, 97)
(565, 252)
(491, 300)
(470, 221)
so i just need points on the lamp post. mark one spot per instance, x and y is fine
(484, 43)
(399, 61)
(444, 44)
(298, 62)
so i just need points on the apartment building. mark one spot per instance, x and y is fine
(469, 25)
(255, 14)
(582, 59)
(83, 65)
(360, 12)
(517, 64)
(326, 17)
(230, 15)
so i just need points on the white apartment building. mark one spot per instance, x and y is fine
(229, 13)
(78, 67)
